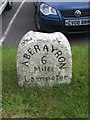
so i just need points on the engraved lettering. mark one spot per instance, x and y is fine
(40, 78)
(43, 60)
(53, 78)
(30, 51)
(62, 65)
(43, 69)
(26, 56)
(58, 53)
(47, 79)
(53, 49)
(36, 47)
(37, 69)
(32, 79)
(61, 59)
(45, 48)
(58, 77)
(25, 63)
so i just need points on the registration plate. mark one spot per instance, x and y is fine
(77, 22)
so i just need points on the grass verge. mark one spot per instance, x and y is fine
(59, 101)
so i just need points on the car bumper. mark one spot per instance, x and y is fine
(51, 24)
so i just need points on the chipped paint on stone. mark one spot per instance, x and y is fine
(44, 59)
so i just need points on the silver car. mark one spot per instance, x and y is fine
(5, 4)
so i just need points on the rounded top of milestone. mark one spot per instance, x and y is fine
(44, 59)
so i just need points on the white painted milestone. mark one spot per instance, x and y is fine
(44, 59)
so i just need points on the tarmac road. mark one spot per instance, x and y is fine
(24, 22)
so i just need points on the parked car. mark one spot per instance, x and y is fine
(5, 4)
(67, 17)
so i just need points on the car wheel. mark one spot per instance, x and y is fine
(9, 5)
(36, 20)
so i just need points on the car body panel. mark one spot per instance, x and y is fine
(50, 23)
(68, 5)
(3, 4)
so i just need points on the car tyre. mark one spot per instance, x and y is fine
(9, 5)
(36, 20)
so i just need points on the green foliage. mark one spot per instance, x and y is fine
(59, 101)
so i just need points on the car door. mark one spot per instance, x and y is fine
(3, 4)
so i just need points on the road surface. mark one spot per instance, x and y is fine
(24, 22)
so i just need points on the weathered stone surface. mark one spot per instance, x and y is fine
(44, 59)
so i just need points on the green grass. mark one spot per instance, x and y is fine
(0, 80)
(59, 101)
